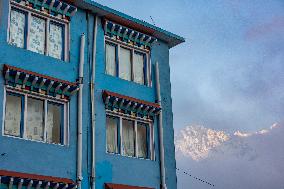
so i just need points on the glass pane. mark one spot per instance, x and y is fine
(54, 123)
(35, 119)
(128, 137)
(110, 60)
(36, 41)
(125, 64)
(138, 68)
(111, 126)
(13, 115)
(142, 140)
(55, 47)
(17, 28)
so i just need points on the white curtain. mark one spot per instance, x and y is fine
(13, 115)
(138, 68)
(55, 48)
(110, 60)
(54, 123)
(111, 132)
(36, 41)
(17, 29)
(128, 137)
(125, 64)
(35, 119)
(142, 140)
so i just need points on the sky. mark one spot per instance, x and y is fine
(227, 88)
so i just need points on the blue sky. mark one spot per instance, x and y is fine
(228, 76)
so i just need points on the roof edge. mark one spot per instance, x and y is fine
(164, 35)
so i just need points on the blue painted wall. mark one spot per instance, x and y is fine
(36, 157)
(54, 160)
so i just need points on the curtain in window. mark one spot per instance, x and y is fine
(36, 41)
(35, 119)
(13, 115)
(111, 126)
(54, 123)
(55, 47)
(125, 64)
(128, 137)
(138, 68)
(17, 29)
(110, 60)
(142, 140)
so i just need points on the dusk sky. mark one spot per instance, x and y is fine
(227, 88)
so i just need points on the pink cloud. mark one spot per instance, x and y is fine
(274, 25)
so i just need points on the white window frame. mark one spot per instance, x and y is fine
(149, 122)
(65, 104)
(48, 19)
(133, 49)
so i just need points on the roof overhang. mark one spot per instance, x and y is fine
(133, 23)
(17, 179)
(129, 104)
(121, 186)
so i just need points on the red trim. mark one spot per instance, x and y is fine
(38, 75)
(36, 177)
(121, 186)
(108, 93)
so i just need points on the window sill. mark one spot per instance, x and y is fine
(128, 81)
(38, 54)
(128, 157)
(36, 141)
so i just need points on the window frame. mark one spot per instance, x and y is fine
(64, 135)
(150, 135)
(49, 19)
(146, 63)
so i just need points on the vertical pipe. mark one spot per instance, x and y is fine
(93, 111)
(161, 133)
(80, 96)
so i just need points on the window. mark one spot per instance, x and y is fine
(112, 133)
(129, 137)
(35, 118)
(35, 32)
(127, 63)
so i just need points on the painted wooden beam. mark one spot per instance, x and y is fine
(30, 184)
(59, 6)
(56, 186)
(7, 74)
(57, 87)
(121, 103)
(34, 81)
(17, 77)
(66, 9)
(38, 184)
(73, 12)
(51, 4)
(119, 31)
(25, 80)
(125, 33)
(11, 182)
(49, 86)
(20, 184)
(107, 100)
(47, 185)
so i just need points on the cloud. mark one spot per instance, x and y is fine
(271, 27)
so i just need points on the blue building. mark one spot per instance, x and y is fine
(85, 98)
